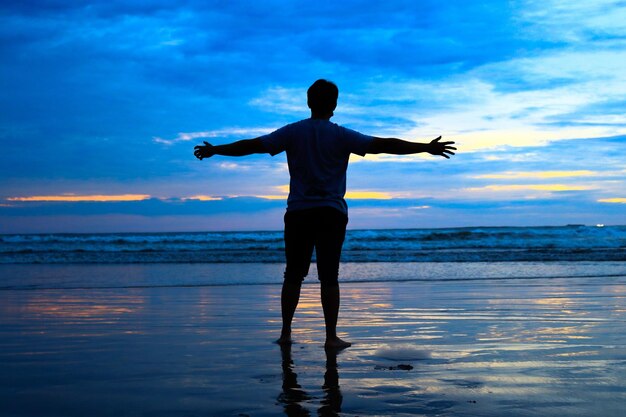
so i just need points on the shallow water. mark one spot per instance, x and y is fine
(85, 276)
(515, 347)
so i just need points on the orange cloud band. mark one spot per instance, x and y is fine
(618, 200)
(120, 197)
(532, 187)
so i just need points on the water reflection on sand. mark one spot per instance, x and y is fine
(513, 347)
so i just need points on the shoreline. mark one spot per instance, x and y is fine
(168, 275)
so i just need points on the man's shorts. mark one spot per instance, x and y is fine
(322, 228)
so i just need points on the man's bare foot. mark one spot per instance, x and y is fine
(336, 343)
(284, 340)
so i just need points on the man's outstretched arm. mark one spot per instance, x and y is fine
(239, 148)
(404, 147)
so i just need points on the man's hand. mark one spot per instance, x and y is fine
(440, 148)
(205, 151)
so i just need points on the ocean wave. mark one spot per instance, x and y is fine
(148, 255)
(571, 243)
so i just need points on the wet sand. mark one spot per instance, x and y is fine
(519, 347)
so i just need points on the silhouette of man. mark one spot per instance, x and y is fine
(317, 214)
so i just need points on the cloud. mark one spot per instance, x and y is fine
(618, 200)
(248, 213)
(71, 197)
(368, 195)
(203, 198)
(541, 174)
(111, 95)
(283, 191)
(219, 133)
(574, 22)
(531, 187)
(290, 101)
(232, 166)
(151, 207)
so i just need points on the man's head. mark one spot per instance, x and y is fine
(322, 97)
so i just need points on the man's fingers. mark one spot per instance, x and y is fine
(200, 149)
(436, 139)
(198, 152)
(203, 146)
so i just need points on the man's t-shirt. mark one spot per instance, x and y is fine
(317, 154)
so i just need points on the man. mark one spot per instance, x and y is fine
(317, 155)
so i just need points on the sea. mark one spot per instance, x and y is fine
(480, 244)
(220, 258)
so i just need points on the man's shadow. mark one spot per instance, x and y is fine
(293, 396)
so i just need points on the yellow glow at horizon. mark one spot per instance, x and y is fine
(538, 174)
(619, 200)
(282, 189)
(351, 195)
(72, 197)
(368, 195)
(507, 134)
(532, 187)
(272, 197)
(498, 140)
(204, 198)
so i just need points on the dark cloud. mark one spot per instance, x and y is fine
(150, 207)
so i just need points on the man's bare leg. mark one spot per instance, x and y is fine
(289, 297)
(330, 304)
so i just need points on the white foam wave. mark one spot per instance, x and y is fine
(402, 353)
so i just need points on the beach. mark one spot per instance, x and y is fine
(514, 346)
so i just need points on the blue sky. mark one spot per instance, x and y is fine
(102, 103)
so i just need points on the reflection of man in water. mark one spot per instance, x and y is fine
(317, 154)
(293, 395)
